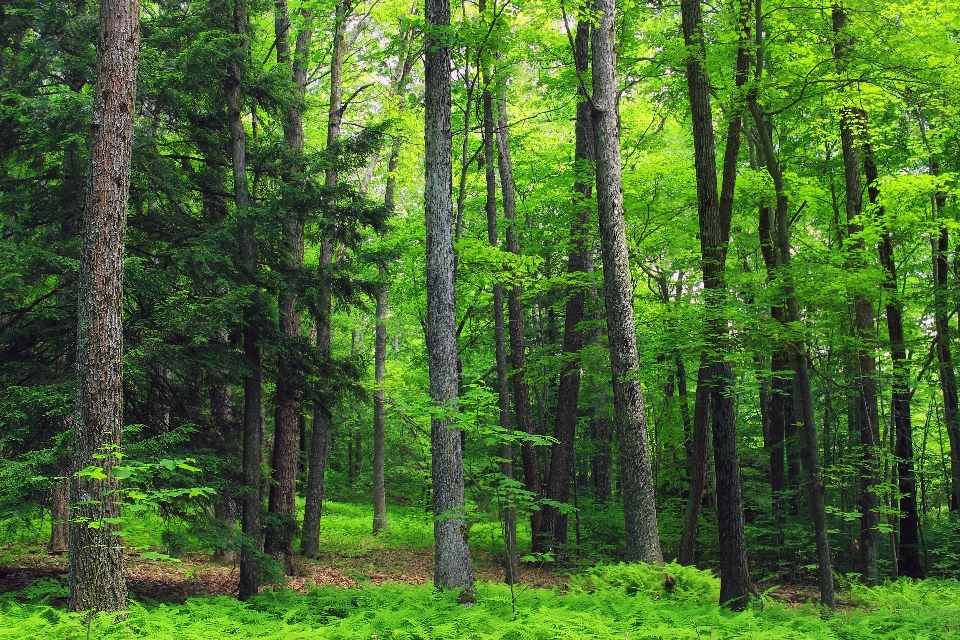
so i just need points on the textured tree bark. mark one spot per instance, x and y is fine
(864, 373)
(97, 565)
(452, 567)
(518, 345)
(639, 503)
(511, 563)
(286, 433)
(60, 515)
(310, 536)
(715, 217)
(908, 555)
(554, 524)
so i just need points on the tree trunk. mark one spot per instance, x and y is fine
(97, 564)
(639, 503)
(322, 416)
(554, 524)
(60, 514)
(908, 560)
(286, 438)
(698, 464)
(508, 510)
(803, 397)
(714, 238)
(518, 344)
(452, 567)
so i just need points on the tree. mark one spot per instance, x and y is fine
(452, 555)
(639, 503)
(97, 565)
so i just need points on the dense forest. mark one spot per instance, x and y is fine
(611, 281)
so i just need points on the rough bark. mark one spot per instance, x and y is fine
(523, 410)
(908, 556)
(97, 564)
(452, 567)
(554, 524)
(640, 511)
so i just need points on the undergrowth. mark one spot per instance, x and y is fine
(617, 601)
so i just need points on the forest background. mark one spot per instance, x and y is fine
(805, 309)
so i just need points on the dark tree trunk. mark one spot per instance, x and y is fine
(554, 524)
(286, 438)
(909, 551)
(97, 564)
(508, 510)
(322, 415)
(452, 567)
(864, 374)
(636, 474)
(698, 464)
(803, 397)
(518, 344)
(714, 238)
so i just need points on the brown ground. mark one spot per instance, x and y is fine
(197, 575)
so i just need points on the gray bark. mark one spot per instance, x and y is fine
(636, 473)
(452, 567)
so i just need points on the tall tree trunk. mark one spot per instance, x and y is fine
(554, 524)
(803, 397)
(97, 565)
(509, 512)
(867, 417)
(452, 567)
(518, 344)
(715, 219)
(908, 553)
(322, 416)
(639, 503)
(286, 433)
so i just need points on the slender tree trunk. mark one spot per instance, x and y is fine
(452, 567)
(714, 237)
(322, 416)
(286, 438)
(639, 504)
(509, 512)
(518, 344)
(554, 525)
(97, 565)
(698, 464)
(908, 551)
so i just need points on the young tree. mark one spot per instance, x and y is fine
(97, 565)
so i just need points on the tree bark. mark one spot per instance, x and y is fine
(640, 510)
(97, 565)
(452, 567)
(518, 344)
(698, 464)
(554, 524)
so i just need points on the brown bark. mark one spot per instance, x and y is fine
(636, 474)
(554, 524)
(518, 345)
(452, 567)
(97, 564)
